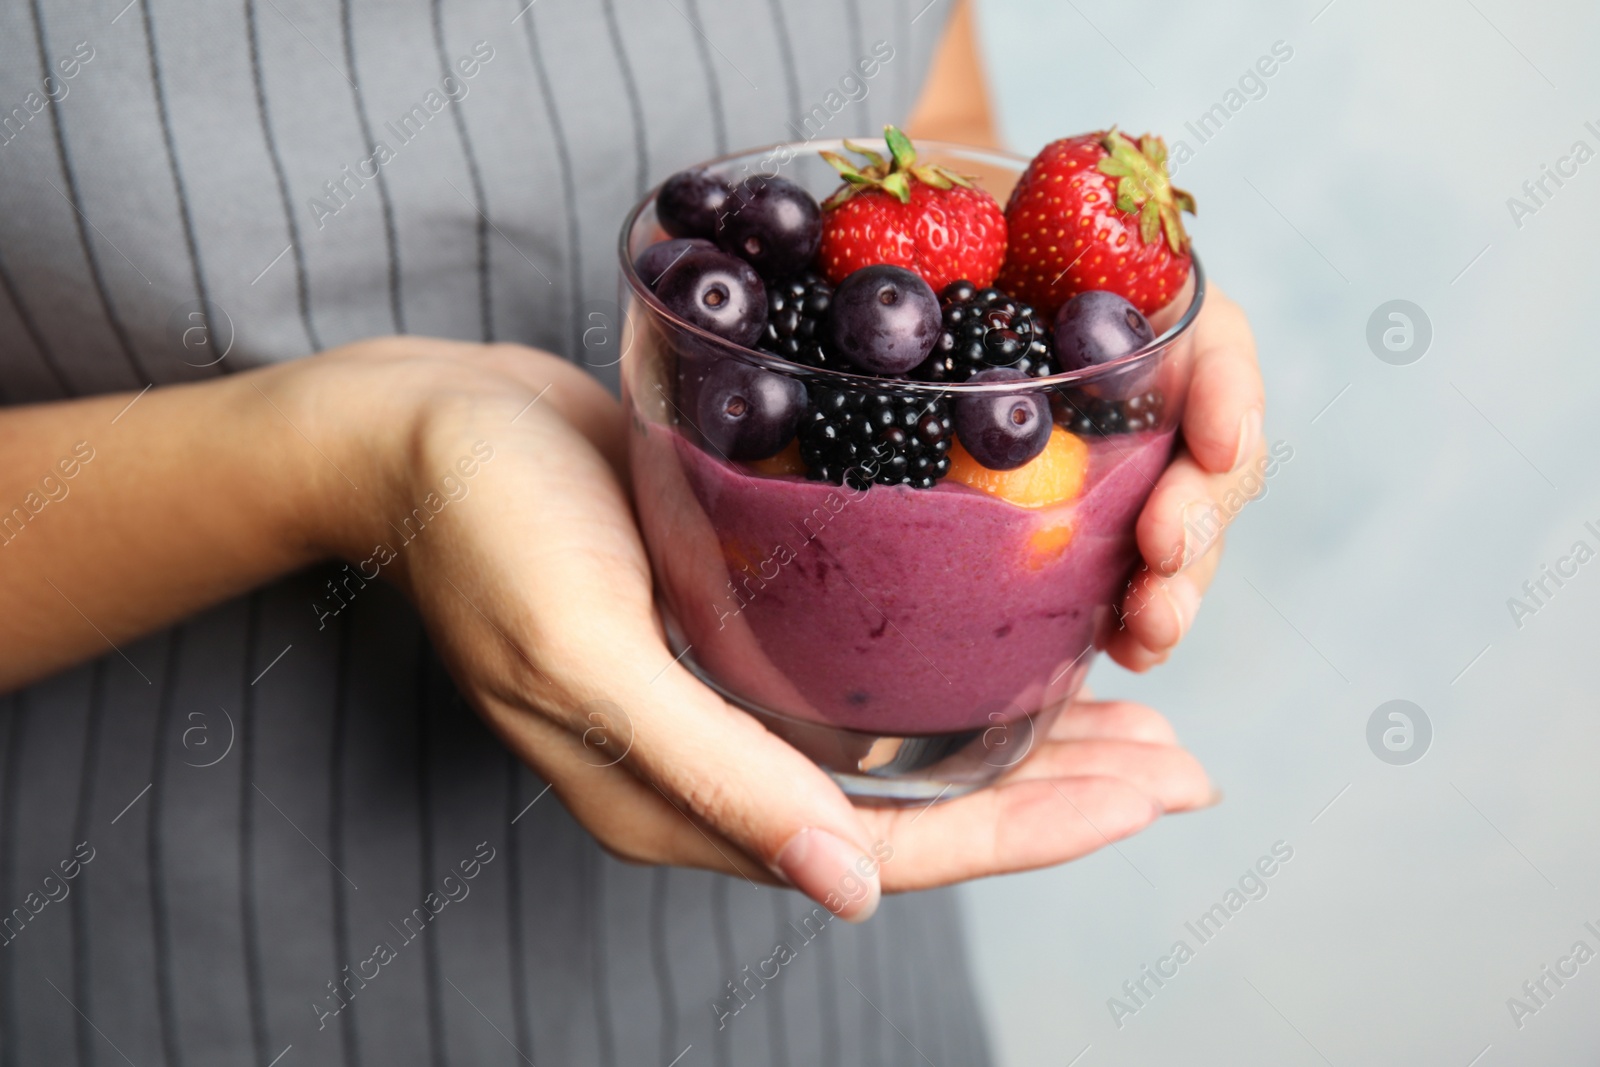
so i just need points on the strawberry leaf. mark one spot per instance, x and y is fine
(1149, 221)
(898, 185)
(874, 157)
(1176, 238)
(1116, 144)
(894, 178)
(845, 167)
(956, 179)
(840, 195)
(1144, 186)
(900, 148)
(1128, 200)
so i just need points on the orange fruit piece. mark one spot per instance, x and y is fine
(786, 462)
(1054, 476)
(1048, 544)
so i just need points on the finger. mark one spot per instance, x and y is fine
(1013, 826)
(1112, 720)
(1222, 417)
(1167, 774)
(687, 780)
(1189, 510)
(1130, 654)
(1158, 611)
(632, 820)
(726, 769)
(718, 769)
(1203, 570)
(1165, 318)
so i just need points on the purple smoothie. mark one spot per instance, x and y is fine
(891, 610)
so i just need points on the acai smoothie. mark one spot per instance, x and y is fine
(890, 609)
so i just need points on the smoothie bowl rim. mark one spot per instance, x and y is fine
(1149, 354)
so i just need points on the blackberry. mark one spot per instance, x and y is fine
(1084, 414)
(797, 309)
(861, 438)
(985, 328)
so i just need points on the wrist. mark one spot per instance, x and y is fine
(378, 433)
(382, 435)
(331, 441)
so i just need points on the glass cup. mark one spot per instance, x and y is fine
(912, 642)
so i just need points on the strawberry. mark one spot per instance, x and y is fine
(920, 216)
(1097, 212)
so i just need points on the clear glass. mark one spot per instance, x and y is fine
(913, 642)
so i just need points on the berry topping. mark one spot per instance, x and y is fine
(1097, 212)
(718, 293)
(985, 328)
(1085, 414)
(1097, 327)
(884, 320)
(689, 203)
(1002, 431)
(797, 316)
(861, 438)
(654, 261)
(744, 412)
(772, 224)
(916, 215)
(1054, 476)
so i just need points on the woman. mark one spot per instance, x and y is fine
(246, 817)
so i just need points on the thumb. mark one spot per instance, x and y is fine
(721, 766)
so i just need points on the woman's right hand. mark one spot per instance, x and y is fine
(537, 592)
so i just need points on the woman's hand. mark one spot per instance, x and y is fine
(1217, 468)
(537, 592)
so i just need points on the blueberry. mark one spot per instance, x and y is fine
(773, 224)
(1097, 327)
(884, 320)
(689, 203)
(1002, 431)
(718, 293)
(744, 412)
(654, 261)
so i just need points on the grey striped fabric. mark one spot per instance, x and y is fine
(250, 841)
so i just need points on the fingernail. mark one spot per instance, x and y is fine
(1184, 599)
(832, 872)
(1249, 435)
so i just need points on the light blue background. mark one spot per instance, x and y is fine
(1382, 157)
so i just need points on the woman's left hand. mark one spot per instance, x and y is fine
(1215, 469)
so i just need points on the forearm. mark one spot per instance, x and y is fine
(119, 514)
